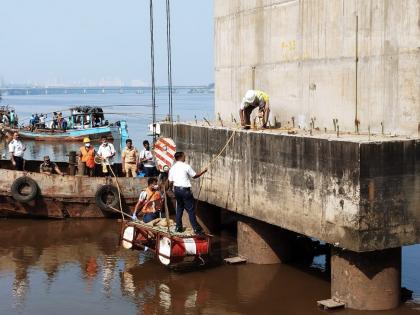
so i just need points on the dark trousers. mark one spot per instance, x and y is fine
(185, 200)
(19, 163)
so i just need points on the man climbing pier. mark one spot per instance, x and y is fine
(252, 100)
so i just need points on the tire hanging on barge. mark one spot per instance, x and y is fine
(18, 192)
(107, 197)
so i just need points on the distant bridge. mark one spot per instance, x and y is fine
(100, 90)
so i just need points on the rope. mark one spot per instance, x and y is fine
(166, 210)
(211, 163)
(119, 192)
(169, 54)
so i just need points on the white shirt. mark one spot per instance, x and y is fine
(42, 119)
(180, 173)
(146, 154)
(17, 148)
(106, 151)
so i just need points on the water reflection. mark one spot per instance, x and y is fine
(69, 267)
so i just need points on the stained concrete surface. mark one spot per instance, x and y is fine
(352, 59)
(358, 195)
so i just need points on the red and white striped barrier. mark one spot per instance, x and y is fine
(164, 151)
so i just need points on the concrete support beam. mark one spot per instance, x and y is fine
(263, 243)
(366, 281)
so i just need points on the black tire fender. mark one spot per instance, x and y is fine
(17, 186)
(106, 197)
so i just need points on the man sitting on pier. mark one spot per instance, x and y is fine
(49, 168)
(252, 100)
(179, 177)
(150, 202)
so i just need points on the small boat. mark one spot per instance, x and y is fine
(169, 247)
(32, 194)
(83, 121)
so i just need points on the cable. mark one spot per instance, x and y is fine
(169, 55)
(152, 68)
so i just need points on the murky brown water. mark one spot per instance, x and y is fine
(77, 267)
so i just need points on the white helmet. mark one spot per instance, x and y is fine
(250, 96)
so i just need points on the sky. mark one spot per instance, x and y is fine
(69, 41)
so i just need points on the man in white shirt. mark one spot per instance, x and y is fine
(17, 150)
(106, 152)
(146, 160)
(179, 177)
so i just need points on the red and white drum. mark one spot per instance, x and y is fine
(179, 250)
(164, 150)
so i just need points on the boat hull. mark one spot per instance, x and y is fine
(71, 135)
(65, 196)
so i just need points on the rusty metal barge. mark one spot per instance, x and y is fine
(31, 194)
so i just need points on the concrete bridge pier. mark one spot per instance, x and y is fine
(262, 243)
(368, 280)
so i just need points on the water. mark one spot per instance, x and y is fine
(185, 106)
(77, 267)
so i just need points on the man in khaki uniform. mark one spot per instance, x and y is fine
(130, 159)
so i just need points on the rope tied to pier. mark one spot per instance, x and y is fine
(211, 163)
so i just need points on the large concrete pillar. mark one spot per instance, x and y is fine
(366, 281)
(263, 243)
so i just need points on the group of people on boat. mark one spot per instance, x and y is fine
(40, 121)
(8, 117)
(133, 162)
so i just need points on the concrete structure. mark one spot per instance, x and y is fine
(352, 61)
(347, 191)
(344, 59)
(358, 194)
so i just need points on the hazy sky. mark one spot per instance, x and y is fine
(74, 40)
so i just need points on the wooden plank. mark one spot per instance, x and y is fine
(235, 260)
(330, 304)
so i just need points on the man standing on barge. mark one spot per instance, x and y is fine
(17, 151)
(179, 177)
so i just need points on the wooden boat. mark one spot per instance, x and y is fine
(83, 121)
(111, 132)
(170, 248)
(31, 194)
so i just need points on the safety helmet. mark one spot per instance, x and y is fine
(250, 96)
(86, 140)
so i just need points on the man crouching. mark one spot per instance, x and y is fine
(150, 202)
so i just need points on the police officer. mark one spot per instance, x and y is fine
(179, 177)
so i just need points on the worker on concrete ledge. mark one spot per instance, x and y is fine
(179, 177)
(252, 100)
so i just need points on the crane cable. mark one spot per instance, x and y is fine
(169, 55)
(152, 70)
